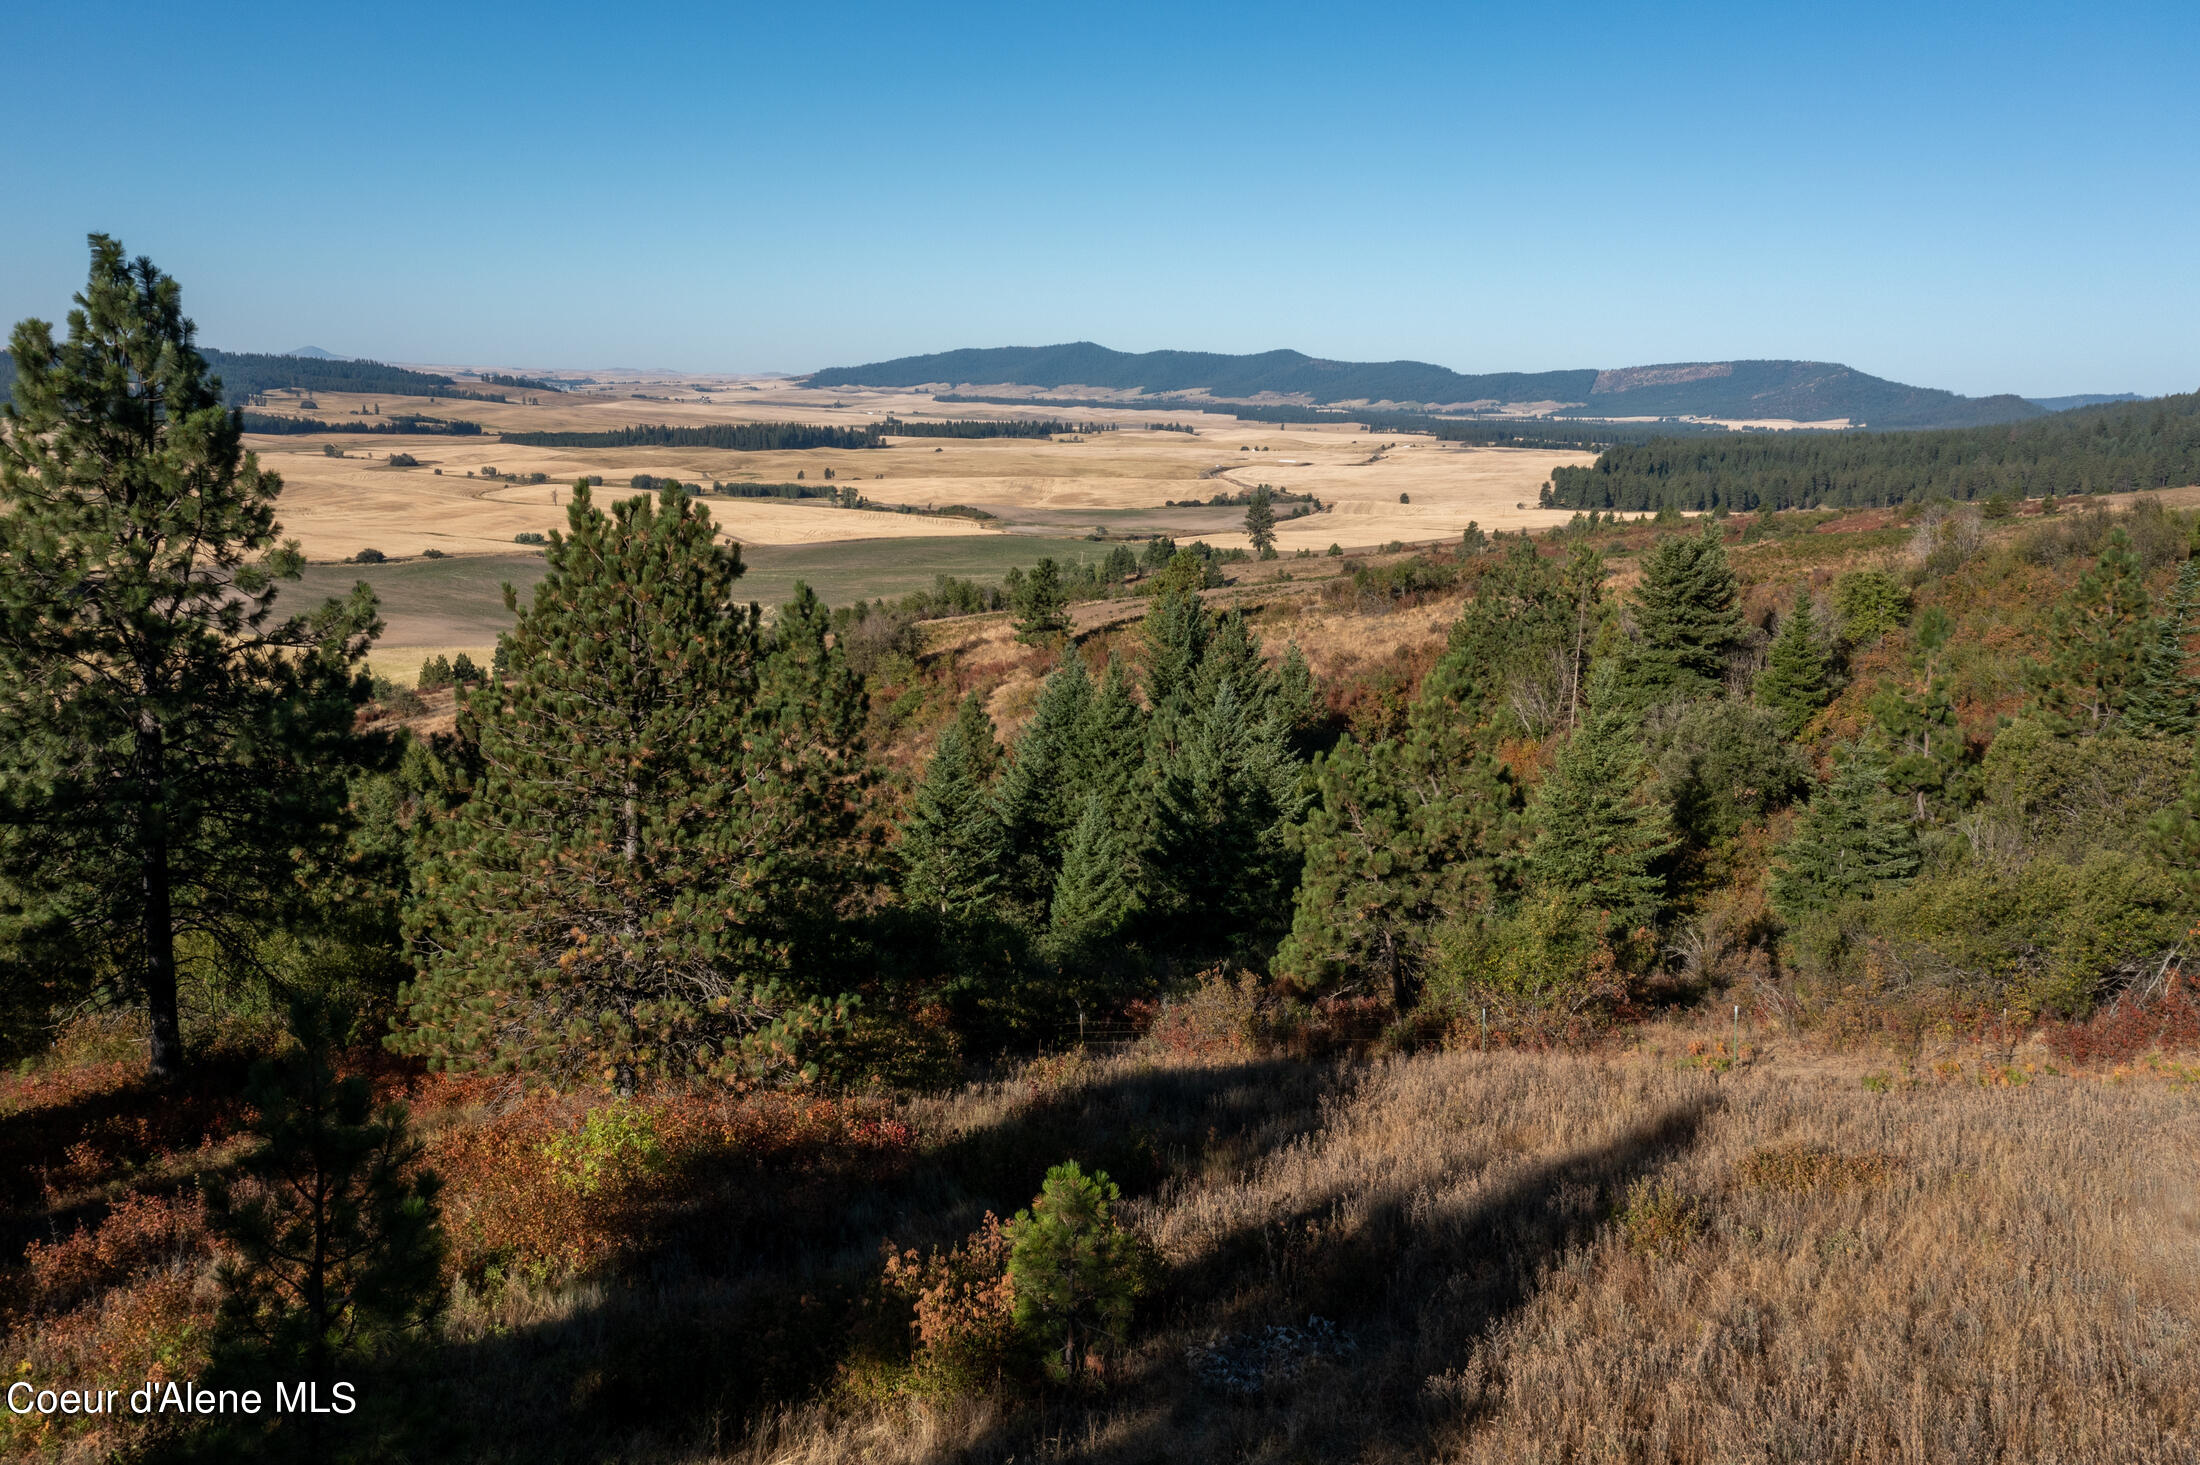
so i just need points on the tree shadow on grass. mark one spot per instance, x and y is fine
(1412, 1286)
(745, 1293)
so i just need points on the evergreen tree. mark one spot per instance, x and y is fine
(1223, 796)
(337, 1248)
(1075, 1271)
(1796, 682)
(1260, 524)
(2099, 634)
(1041, 604)
(168, 748)
(1687, 617)
(1039, 797)
(1600, 838)
(1925, 751)
(954, 851)
(1399, 839)
(1854, 838)
(810, 712)
(1519, 651)
(1176, 630)
(2163, 701)
(1097, 893)
(1110, 754)
(614, 900)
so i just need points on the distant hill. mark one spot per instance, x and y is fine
(7, 375)
(2116, 447)
(246, 372)
(2095, 399)
(317, 354)
(1807, 391)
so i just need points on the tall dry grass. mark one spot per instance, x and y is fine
(1579, 1258)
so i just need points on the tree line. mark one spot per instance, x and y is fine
(275, 425)
(2115, 448)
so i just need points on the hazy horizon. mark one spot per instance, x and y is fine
(1989, 202)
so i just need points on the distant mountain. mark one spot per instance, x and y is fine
(7, 375)
(317, 354)
(1806, 391)
(2094, 399)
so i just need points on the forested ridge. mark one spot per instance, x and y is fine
(1807, 391)
(248, 373)
(757, 437)
(2107, 449)
(820, 1019)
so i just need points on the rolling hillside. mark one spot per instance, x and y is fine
(1808, 391)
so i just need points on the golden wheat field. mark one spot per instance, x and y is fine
(1382, 489)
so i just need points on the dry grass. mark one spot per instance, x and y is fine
(1942, 1272)
(1650, 1255)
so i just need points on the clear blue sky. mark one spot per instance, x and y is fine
(1985, 198)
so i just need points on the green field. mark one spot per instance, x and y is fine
(460, 601)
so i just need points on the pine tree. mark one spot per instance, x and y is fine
(1601, 838)
(1853, 839)
(1260, 524)
(168, 748)
(2100, 632)
(954, 851)
(1039, 797)
(613, 902)
(2163, 701)
(1398, 840)
(1041, 604)
(338, 1248)
(1075, 1271)
(1924, 744)
(1687, 617)
(1796, 683)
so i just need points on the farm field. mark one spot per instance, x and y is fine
(1381, 489)
(457, 603)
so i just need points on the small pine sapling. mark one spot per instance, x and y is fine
(334, 1239)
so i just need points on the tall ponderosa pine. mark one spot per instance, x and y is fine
(1687, 617)
(1853, 839)
(1601, 838)
(1260, 524)
(2165, 702)
(169, 750)
(954, 851)
(1796, 683)
(621, 897)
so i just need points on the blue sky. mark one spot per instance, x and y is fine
(1988, 199)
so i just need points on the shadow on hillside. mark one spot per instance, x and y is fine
(1411, 1286)
(117, 1130)
(744, 1296)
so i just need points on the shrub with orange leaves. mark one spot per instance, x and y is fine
(961, 1311)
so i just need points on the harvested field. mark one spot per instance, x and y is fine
(1121, 480)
